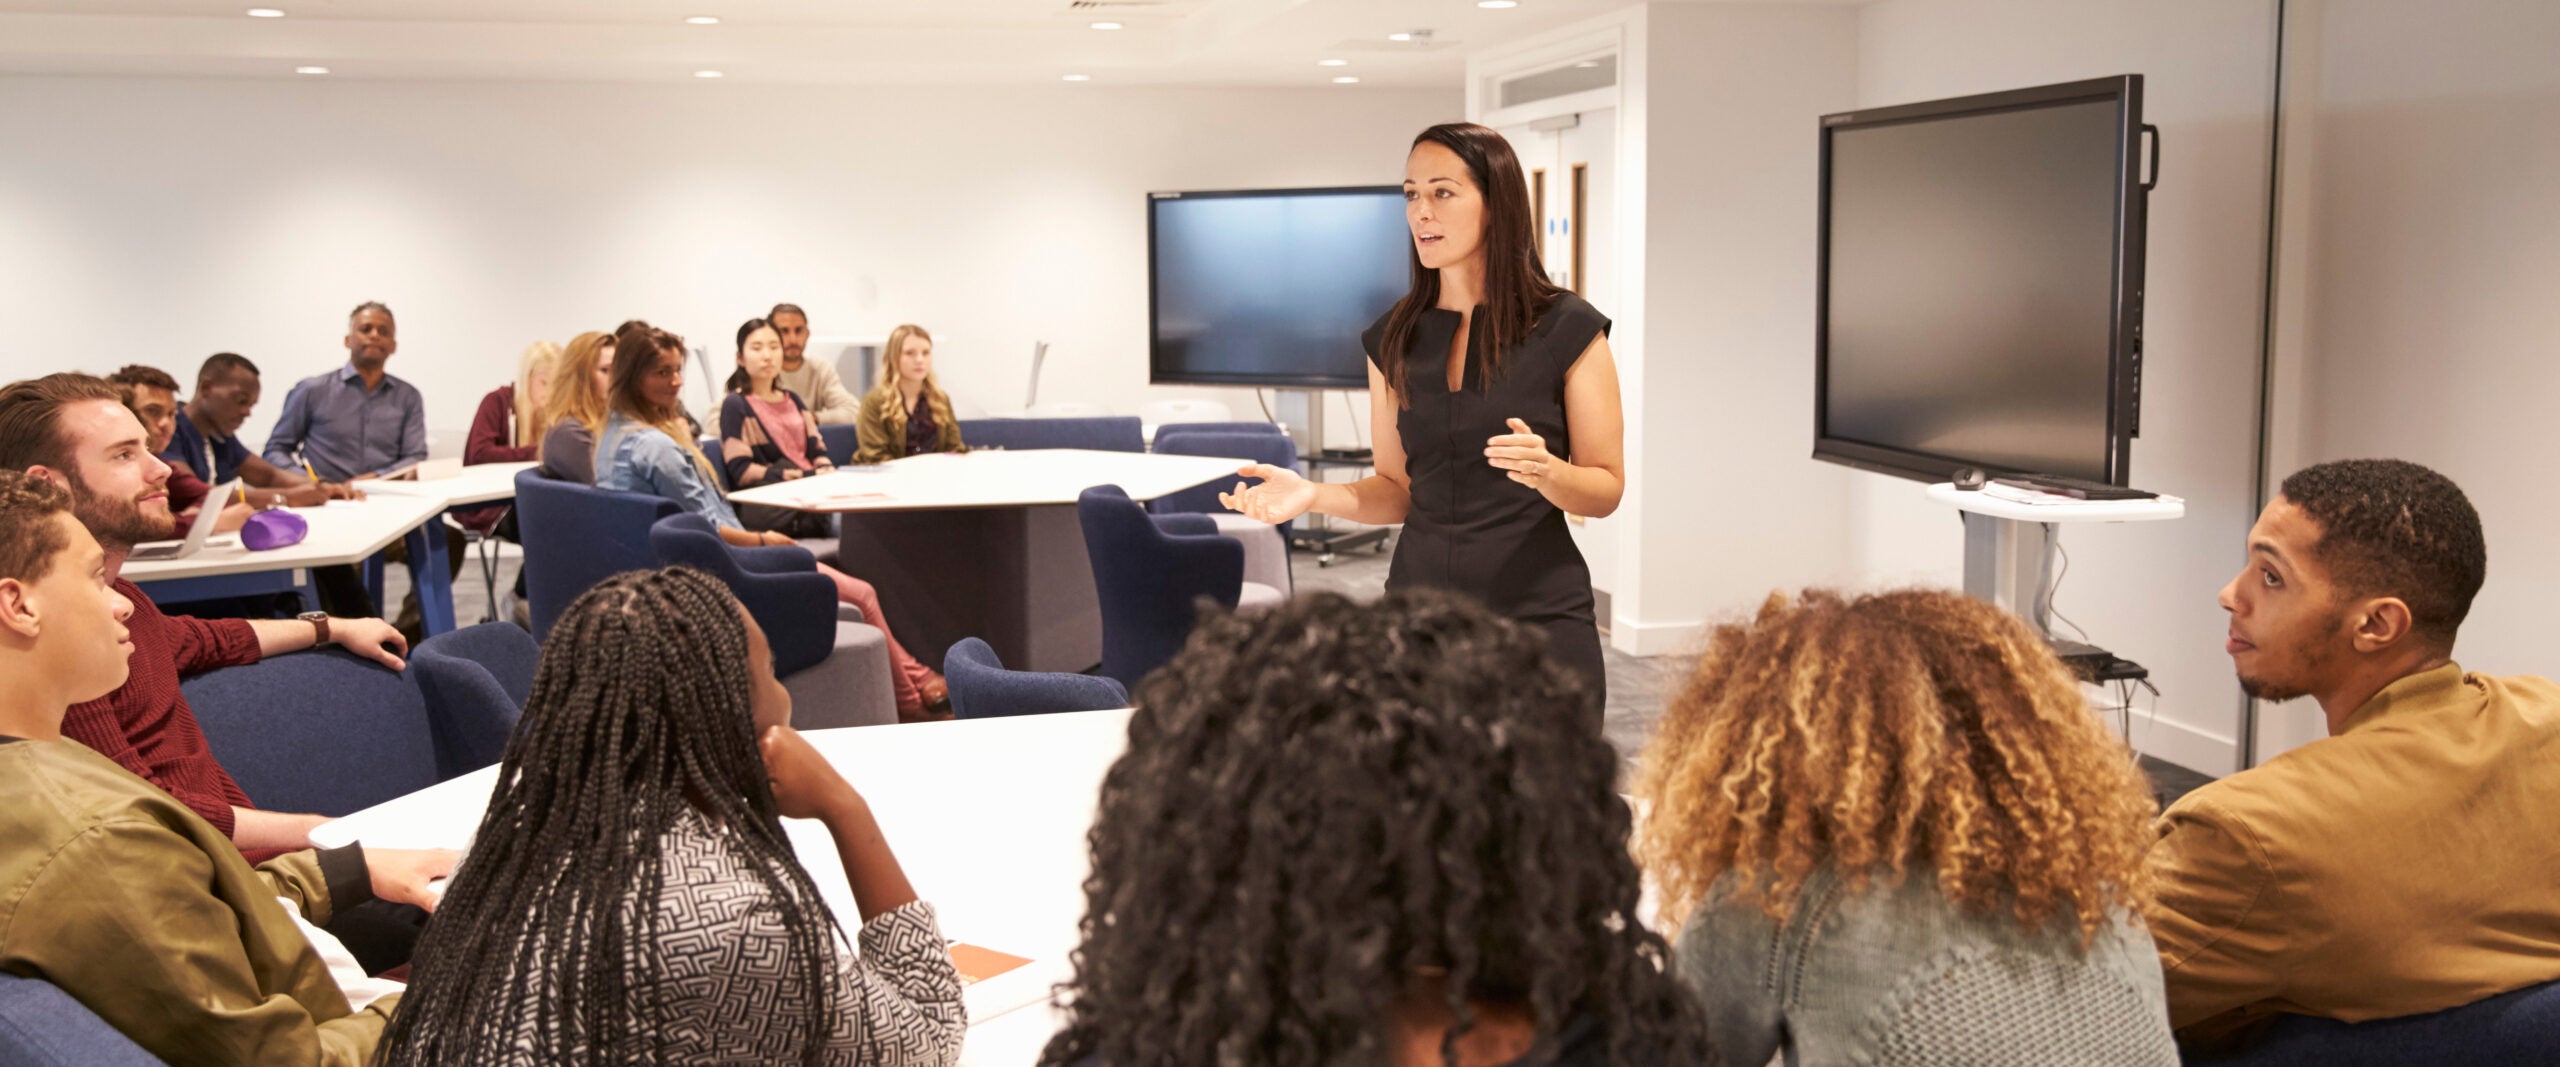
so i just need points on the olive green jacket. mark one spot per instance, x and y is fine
(140, 910)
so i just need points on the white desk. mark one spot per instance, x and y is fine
(479, 483)
(342, 532)
(2008, 544)
(985, 544)
(988, 817)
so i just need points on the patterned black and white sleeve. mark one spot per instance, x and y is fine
(900, 1001)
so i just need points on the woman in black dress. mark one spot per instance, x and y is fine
(1494, 405)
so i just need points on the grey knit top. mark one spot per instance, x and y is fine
(1899, 977)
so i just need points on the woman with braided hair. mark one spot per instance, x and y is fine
(1899, 837)
(1353, 833)
(630, 896)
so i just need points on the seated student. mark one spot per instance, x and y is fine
(814, 381)
(359, 422)
(508, 426)
(907, 413)
(152, 395)
(1891, 833)
(644, 448)
(766, 435)
(655, 718)
(71, 430)
(205, 440)
(574, 408)
(2405, 863)
(1360, 833)
(120, 896)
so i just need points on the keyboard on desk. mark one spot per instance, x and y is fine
(2077, 488)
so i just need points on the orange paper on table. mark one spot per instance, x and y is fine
(977, 964)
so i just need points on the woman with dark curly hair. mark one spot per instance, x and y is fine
(1361, 834)
(1899, 837)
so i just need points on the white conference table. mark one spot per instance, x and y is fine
(985, 544)
(342, 532)
(988, 816)
(459, 487)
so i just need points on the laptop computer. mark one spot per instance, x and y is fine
(197, 533)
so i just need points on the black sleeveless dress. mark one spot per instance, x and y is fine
(1471, 528)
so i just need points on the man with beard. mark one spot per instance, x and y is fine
(2406, 863)
(814, 380)
(73, 430)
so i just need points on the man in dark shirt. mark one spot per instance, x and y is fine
(206, 440)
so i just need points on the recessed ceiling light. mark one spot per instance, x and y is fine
(265, 13)
(1346, 80)
(1587, 64)
(311, 70)
(706, 74)
(1333, 62)
(1399, 36)
(1497, 5)
(703, 20)
(1106, 25)
(1076, 78)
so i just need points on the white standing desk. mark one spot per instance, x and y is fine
(985, 544)
(988, 816)
(2008, 544)
(342, 532)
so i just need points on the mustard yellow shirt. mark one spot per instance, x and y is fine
(147, 915)
(2408, 864)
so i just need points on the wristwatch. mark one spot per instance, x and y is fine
(319, 621)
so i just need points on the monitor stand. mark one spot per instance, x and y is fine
(2008, 544)
(1318, 533)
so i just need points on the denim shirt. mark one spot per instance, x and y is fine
(634, 457)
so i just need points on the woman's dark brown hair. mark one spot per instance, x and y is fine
(637, 347)
(1516, 289)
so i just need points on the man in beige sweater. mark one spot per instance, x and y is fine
(815, 380)
(2404, 864)
(117, 893)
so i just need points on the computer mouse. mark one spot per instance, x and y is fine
(1969, 478)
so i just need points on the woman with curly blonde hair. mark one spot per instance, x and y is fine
(1891, 832)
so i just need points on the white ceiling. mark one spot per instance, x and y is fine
(1166, 42)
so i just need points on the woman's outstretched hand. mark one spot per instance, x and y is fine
(1282, 496)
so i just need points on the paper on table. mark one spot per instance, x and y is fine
(993, 983)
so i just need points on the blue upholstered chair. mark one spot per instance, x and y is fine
(1266, 547)
(475, 681)
(1179, 429)
(842, 442)
(2522, 1026)
(1148, 572)
(1111, 433)
(982, 689)
(578, 535)
(835, 663)
(325, 731)
(41, 1026)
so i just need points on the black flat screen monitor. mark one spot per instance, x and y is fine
(1980, 284)
(1271, 287)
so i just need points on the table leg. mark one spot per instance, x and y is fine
(373, 585)
(1017, 578)
(428, 574)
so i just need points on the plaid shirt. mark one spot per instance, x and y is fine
(146, 726)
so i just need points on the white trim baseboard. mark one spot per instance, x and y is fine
(1655, 638)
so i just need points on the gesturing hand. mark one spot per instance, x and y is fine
(1282, 496)
(1522, 454)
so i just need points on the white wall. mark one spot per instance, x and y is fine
(2145, 591)
(159, 221)
(2423, 310)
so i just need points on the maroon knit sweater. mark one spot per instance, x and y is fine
(146, 726)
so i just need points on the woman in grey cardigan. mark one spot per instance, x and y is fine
(1893, 834)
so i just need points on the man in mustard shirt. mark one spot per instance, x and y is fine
(2410, 861)
(113, 890)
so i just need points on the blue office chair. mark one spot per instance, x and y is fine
(842, 441)
(834, 662)
(2522, 1026)
(475, 681)
(1180, 429)
(327, 732)
(1266, 545)
(41, 1026)
(1148, 572)
(982, 689)
(578, 535)
(1109, 433)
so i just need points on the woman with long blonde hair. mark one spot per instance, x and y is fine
(906, 413)
(1891, 831)
(575, 408)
